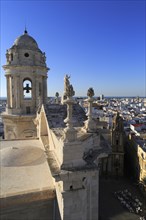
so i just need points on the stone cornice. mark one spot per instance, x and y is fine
(5, 67)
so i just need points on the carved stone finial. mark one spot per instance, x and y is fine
(57, 98)
(90, 123)
(57, 94)
(90, 92)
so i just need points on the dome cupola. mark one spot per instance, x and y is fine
(25, 52)
(26, 41)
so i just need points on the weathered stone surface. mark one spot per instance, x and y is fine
(24, 171)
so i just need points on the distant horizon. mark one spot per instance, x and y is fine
(101, 44)
(4, 97)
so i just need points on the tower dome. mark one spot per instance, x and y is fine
(25, 51)
(26, 41)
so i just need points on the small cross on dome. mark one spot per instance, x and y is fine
(25, 31)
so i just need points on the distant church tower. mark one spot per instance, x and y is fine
(113, 165)
(26, 74)
(118, 147)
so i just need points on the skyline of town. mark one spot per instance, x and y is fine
(100, 44)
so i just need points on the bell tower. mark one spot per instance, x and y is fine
(26, 75)
(118, 146)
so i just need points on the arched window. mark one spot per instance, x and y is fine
(27, 89)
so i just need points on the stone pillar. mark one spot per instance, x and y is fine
(45, 89)
(36, 95)
(18, 92)
(33, 93)
(38, 98)
(70, 132)
(89, 114)
(8, 91)
(90, 124)
(13, 89)
(57, 100)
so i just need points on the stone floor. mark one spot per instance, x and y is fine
(25, 178)
(25, 181)
(110, 207)
(22, 164)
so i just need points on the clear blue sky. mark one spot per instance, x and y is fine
(101, 44)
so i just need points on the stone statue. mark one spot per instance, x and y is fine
(68, 88)
(66, 82)
(8, 56)
(70, 91)
(43, 57)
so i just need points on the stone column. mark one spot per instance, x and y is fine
(38, 95)
(13, 91)
(18, 92)
(8, 91)
(33, 93)
(90, 124)
(70, 132)
(89, 113)
(57, 98)
(35, 86)
(45, 89)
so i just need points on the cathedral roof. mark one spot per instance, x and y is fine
(26, 40)
(57, 113)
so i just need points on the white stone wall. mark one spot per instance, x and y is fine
(19, 127)
(56, 145)
(77, 195)
(60, 201)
